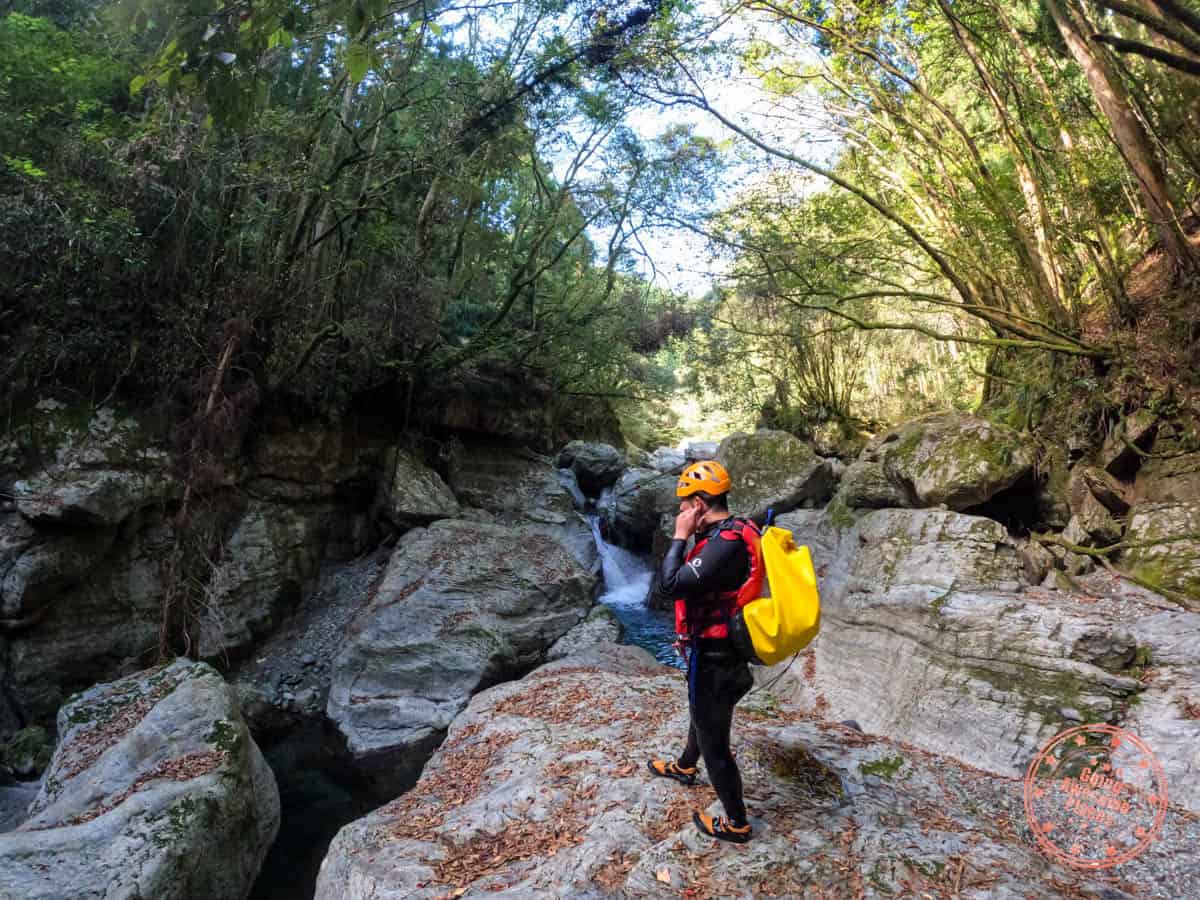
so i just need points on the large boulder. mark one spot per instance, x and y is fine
(520, 487)
(461, 606)
(417, 495)
(955, 460)
(155, 790)
(666, 459)
(773, 470)
(541, 791)
(596, 465)
(695, 451)
(865, 485)
(1090, 483)
(1092, 525)
(931, 634)
(1165, 548)
(837, 439)
(630, 513)
(512, 483)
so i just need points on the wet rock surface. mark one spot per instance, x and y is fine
(156, 789)
(630, 513)
(541, 790)
(596, 466)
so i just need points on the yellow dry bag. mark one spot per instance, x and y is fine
(786, 616)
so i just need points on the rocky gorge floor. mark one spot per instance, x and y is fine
(540, 790)
(960, 643)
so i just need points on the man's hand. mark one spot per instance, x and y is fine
(681, 644)
(687, 521)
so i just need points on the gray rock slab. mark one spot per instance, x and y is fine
(271, 556)
(1090, 481)
(416, 493)
(105, 466)
(155, 790)
(461, 606)
(80, 604)
(1172, 480)
(865, 485)
(541, 790)
(521, 487)
(77, 496)
(667, 459)
(931, 634)
(600, 627)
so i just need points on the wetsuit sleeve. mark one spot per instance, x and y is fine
(719, 566)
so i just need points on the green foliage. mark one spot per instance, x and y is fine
(53, 83)
(885, 767)
(380, 199)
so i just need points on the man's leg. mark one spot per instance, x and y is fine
(715, 718)
(718, 689)
(691, 752)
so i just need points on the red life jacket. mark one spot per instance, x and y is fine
(710, 614)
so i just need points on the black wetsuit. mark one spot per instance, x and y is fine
(717, 677)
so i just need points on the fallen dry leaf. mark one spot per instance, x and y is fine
(663, 875)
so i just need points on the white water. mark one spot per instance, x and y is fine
(627, 579)
(627, 576)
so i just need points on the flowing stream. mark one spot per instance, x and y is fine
(627, 578)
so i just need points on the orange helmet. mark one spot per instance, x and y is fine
(708, 476)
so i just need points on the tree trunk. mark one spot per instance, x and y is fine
(1131, 138)
(1039, 246)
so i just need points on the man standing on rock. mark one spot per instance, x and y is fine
(706, 584)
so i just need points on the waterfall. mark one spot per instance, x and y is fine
(627, 579)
